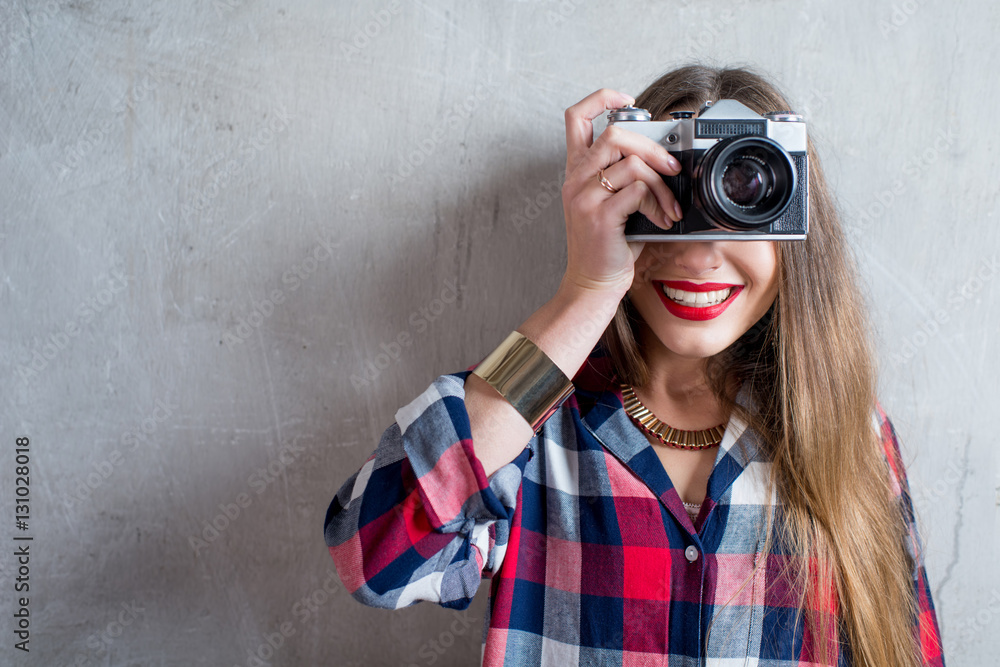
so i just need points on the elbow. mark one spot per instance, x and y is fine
(395, 583)
(350, 569)
(369, 598)
(370, 575)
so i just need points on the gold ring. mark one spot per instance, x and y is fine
(606, 183)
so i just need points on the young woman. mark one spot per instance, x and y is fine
(771, 526)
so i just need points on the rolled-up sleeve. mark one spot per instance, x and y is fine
(420, 520)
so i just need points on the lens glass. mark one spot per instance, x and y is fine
(746, 181)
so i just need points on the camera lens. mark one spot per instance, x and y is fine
(744, 182)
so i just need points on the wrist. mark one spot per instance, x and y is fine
(526, 377)
(570, 324)
(588, 288)
(593, 294)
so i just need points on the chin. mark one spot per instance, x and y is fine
(691, 344)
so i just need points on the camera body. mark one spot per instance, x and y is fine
(743, 176)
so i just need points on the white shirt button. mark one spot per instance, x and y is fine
(691, 553)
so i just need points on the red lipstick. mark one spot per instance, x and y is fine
(691, 312)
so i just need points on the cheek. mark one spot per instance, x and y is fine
(772, 261)
(642, 271)
(652, 258)
(645, 300)
(772, 282)
(767, 292)
(763, 270)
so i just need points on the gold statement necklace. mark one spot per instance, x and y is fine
(668, 435)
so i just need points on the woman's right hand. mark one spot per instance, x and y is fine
(600, 266)
(598, 256)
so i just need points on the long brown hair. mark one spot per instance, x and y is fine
(809, 368)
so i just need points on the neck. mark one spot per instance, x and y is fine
(671, 374)
(678, 387)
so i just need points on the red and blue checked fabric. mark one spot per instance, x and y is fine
(590, 554)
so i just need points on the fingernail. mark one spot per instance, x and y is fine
(678, 210)
(672, 161)
(669, 222)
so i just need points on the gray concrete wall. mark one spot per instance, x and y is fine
(213, 214)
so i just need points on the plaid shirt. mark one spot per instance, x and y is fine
(591, 556)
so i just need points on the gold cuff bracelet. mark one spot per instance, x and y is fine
(527, 378)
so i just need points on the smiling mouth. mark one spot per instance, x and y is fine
(697, 302)
(696, 299)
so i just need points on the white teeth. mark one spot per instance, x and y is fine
(697, 299)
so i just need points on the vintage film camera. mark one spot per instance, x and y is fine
(743, 176)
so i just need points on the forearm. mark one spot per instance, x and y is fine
(566, 328)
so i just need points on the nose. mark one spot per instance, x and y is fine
(696, 258)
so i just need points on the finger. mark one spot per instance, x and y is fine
(636, 197)
(632, 168)
(616, 143)
(580, 117)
